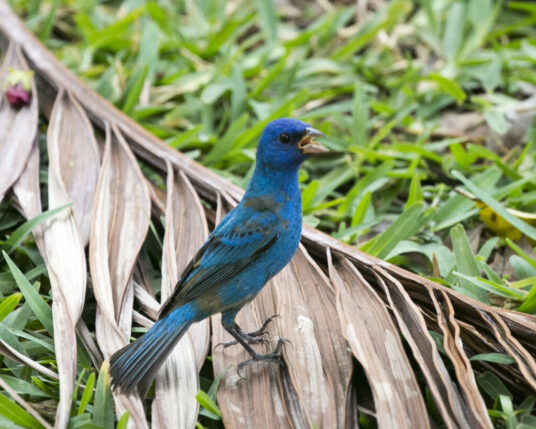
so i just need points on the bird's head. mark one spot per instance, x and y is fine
(285, 143)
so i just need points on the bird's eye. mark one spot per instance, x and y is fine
(284, 138)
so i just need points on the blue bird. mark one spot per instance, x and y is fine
(250, 245)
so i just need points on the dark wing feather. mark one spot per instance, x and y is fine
(221, 258)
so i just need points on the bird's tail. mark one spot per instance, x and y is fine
(137, 364)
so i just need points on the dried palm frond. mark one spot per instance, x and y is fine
(19, 126)
(334, 302)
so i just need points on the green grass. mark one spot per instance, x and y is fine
(207, 78)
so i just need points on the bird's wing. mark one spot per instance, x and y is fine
(223, 256)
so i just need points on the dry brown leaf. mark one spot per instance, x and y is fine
(524, 360)
(9, 352)
(186, 230)
(79, 159)
(69, 136)
(178, 382)
(258, 401)
(413, 327)
(468, 124)
(28, 194)
(120, 224)
(66, 261)
(89, 343)
(319, 365)
(453, 346)
(150, 305)
(19, 126)
(375, 342)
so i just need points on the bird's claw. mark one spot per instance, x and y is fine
(255, 337)
(248, 338)
(272, 357)
(262, 329)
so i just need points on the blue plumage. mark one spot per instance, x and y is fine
(251, 244)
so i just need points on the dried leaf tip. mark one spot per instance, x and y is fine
(18, 87)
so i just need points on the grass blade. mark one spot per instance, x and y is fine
(17, 414)
(38, 305)
(487, 199)
(404, 227)
(103, 409)
(466, 263)
(22, 231)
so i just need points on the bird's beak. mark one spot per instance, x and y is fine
(308, 146)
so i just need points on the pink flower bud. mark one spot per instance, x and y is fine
(18, 87)
(17, 96)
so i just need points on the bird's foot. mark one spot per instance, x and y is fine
(255, 337)
(272, 357)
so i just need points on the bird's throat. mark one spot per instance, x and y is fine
(281, 183)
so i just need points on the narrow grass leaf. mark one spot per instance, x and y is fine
(207, 403)
(8, 304)
(466, 263)
(135, 89)
(494, 358)
(415, 192)
(529, 304)
(457, 208)
(267, 15)
(370, 182)
(17, 414)
(492, 287)
(18, 236)
(388, 16)
(492, 385)
(308, 194)
(360, 116)
(103, 408)
(50, 18)
(226, 143)
(24, 387)
(487, 199)
(404, 227)
(530, 260)
(361, 209)
(238, 93)
(38, 305)
(452, 37)
(86, 394)
(123, 421)
(449, 87)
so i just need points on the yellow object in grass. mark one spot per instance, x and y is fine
(497, 223)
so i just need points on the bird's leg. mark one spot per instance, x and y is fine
(231, 327)
(254, 337)
(274, 357)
